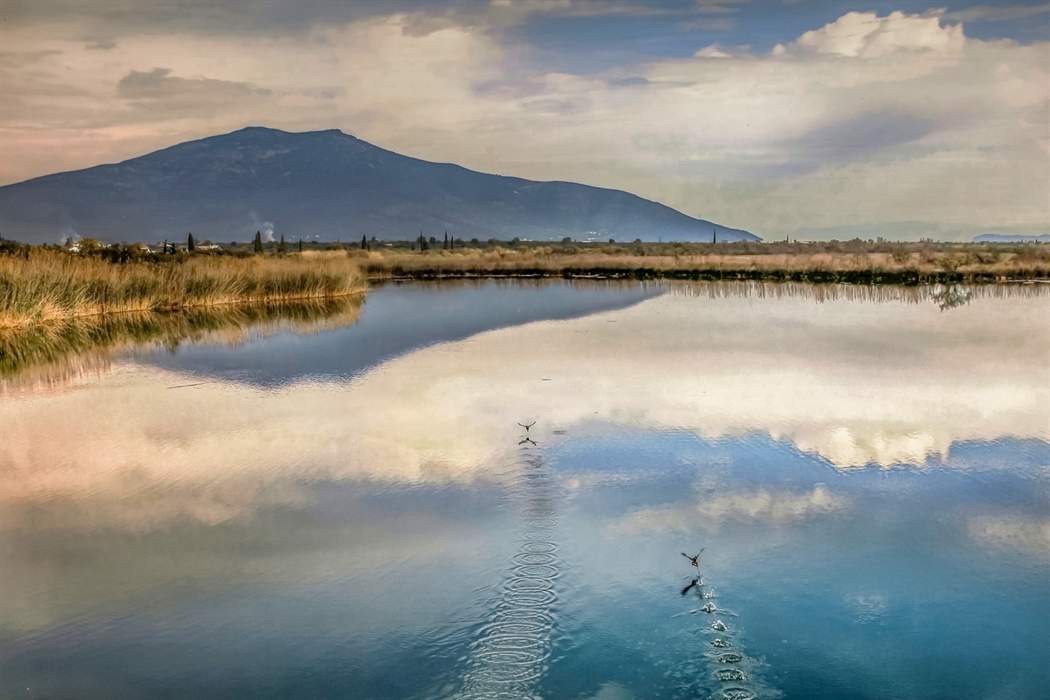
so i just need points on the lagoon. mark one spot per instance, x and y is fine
(356, 512)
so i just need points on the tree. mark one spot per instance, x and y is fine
(258, 242)
(364, 243)
(300, 244)
(446, 241)
(281, 248)
(190, 244)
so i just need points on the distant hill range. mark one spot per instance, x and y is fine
(323, 185)
(1004, 238)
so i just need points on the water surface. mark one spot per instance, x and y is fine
(357, 513)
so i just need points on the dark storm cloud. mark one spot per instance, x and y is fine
(194, 97)
(861, 137)
(206, 17)
(157, 84)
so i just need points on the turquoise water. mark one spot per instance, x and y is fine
(359, 514)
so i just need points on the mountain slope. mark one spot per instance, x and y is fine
(323, 184)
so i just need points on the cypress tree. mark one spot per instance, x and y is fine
(446, 241)
(281, 247)
(190, 245)
(364, 243)
(300, 244)
(258, 242)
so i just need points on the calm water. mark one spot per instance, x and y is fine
(357, 513)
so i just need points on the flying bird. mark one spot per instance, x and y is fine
(527, 426)
(694, 560)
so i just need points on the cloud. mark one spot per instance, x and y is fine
(866, 35)
(719, 6)
(994, 13)
(761, 506)
(1026, 534)
(20, 59)
(158, 85)
(711, 51)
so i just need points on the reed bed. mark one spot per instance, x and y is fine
(50, 286)
(943, 265)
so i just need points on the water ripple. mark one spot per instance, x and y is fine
(513, 648)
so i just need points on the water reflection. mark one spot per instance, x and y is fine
(399, 318)
(56, 352)
(952, 297)
(866, 479)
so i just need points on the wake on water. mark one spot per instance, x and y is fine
(512, 649)
(730, 673)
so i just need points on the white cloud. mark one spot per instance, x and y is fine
(762, 506)
(1027, 534)
(711, 51)
(866, 35)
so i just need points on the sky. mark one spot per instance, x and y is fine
(811, 119)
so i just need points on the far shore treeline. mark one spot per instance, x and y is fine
(258, 271)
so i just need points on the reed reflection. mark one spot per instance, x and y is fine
(52, 352)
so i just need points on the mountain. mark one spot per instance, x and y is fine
(1010, 238)
(326, 185)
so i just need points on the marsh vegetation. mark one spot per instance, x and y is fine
(55, 302)
(856, 262)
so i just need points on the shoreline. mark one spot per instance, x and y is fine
(907, 278)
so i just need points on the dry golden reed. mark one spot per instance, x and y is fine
(815, 262)
(52, 286)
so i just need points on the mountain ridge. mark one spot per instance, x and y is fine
(324, 185)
